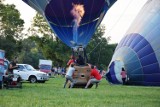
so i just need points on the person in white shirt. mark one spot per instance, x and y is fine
(69, 77)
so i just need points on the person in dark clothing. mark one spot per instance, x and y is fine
(80, 60)
(13, 65)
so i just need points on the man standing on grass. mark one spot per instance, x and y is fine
(69, 75)
(95, 77)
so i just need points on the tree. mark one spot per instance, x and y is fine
(100, 52)
(50, 46)
(30, 54)
(40, 27)
(11, 27)
(53, 50)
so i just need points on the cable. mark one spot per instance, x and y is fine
(99, 53)
(113, 26)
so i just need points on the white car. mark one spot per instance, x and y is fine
(28, 73)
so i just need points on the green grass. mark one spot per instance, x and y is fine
(51, 94)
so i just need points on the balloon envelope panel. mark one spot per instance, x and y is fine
(58, 14)
(139, 49)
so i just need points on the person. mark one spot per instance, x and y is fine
(124, 75)
(80, 60)
(69, 75)
(95, 77)
(59, 70)
(63, 72)
(55, 71)
(72, 60)
(13, 65)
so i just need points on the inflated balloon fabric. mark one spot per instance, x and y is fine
(61, 18)
(139, 50)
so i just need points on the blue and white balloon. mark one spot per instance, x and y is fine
(139, 50)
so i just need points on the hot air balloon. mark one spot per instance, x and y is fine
(74, 22)
(61, 17)
(139, 50)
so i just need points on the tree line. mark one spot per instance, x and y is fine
(40, 42)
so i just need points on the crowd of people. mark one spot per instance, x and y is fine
(58, 71)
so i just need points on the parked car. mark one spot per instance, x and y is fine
(28, 73)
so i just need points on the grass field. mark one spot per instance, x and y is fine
(51, 94)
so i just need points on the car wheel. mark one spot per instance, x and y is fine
(33, 79)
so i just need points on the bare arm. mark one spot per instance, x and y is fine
(12, 67)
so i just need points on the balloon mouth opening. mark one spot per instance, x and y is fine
(74, 44)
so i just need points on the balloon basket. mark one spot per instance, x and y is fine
(81, 76)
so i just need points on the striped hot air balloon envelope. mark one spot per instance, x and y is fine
(139, 50)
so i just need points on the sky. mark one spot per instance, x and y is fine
(117, 20)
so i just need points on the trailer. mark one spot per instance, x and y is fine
(45, 66)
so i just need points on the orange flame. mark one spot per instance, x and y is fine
(78, 12)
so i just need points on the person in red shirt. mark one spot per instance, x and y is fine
(71, 61)
(95, 77)
(124, 75)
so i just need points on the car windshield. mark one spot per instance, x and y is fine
(29, 68)
(45, 67)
